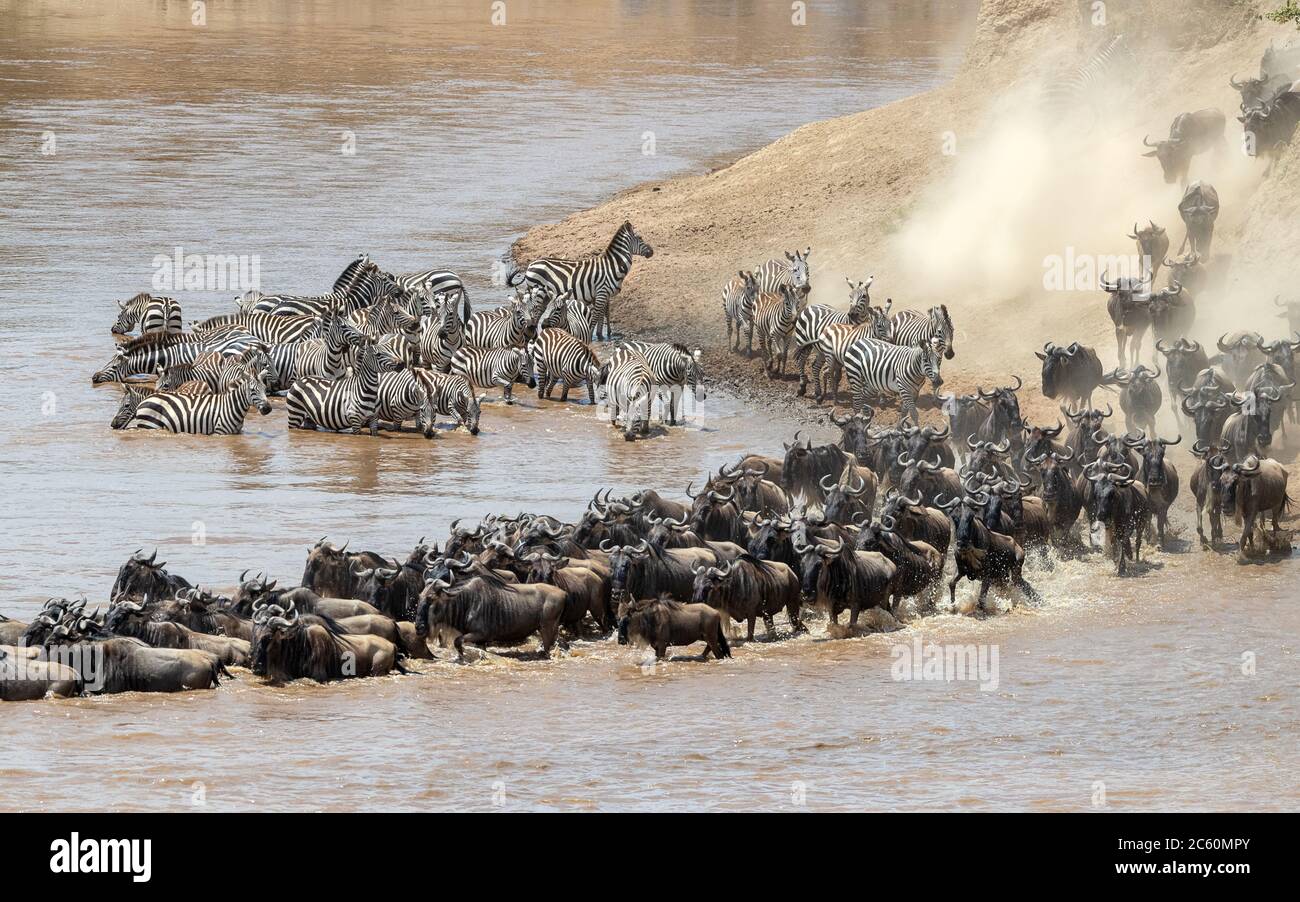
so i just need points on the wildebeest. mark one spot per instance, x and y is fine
(855, 433)
(1152, 245)
(332, 572)
(983, 555)
(486, 610)
(129, 618)
(754, 491)
(110, 664)
(1119, 502)
(141, 576)
(805, 466)
(1249, 430)
(918, 566)
(1250, 491)
(748, 588)
(837, 576)
(1061, 498)
(1189, 134)
(253, 592)
(394, 590)
(1131, 315)
(1199, 208)
(1281, 354)
(24, 678)
(1183, 360)
(715, 514)
(289, 646)
(1270, 125)
(1042, 440)
(965, 413)
(1172, 313)
(642, 571)
(1003, 421)
(1239, 355)
(11, 631)
(662, 622)
(1071, 373)
(926, 480)
(586, 590)
(1208, 410)
(1083, 433)
(852, 495)
(1160, 478)
(1207, 491)
(916, 522)
(1139, 398)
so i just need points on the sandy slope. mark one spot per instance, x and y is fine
(874, 193)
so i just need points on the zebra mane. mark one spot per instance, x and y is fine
(142, 297)
(157, 340)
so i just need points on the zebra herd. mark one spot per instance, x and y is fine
(380, 350)
(882, 355)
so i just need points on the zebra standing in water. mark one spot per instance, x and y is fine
(817, 317)
(156, 351)
(672, 368)
(792, 271)
(559, 357)
(345, 403)
(775, 315)
(402, 396)
(627, 386)
(911, 327)
(360, 285)
(877, 367)
(221, 413)
(505, 327)
(441, 335)
(570, 314)
(452, 395)
(493, 366)
(132, 395)
(326, 356)
(151, 313)
(594, 280)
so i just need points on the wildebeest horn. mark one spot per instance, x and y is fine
(1222, 347)
(1232, 81)
(1166, 442)
(1003, 447)
(1146, 142)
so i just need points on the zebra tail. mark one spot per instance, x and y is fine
(464, 303)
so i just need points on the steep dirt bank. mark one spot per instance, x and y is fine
(876, 193)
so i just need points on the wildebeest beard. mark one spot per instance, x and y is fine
(308, 647)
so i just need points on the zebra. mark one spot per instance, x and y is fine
(156, 351)
(568, 313)
(402, 396)
(506, 327)
(1082, 91)
(594, 280)
(326, 356)
(220, 413)
(132, 395)
(272, 328)
(559, 357)
(672, 367)
(816, 317)
(360, 285)
(876, 367)
(212, 371)
(344, 403)
(835, 341)
(432, 282)
(452, 395)
(441, 335)
(792, 271)
(492, 366)
(737, 297)
(150, 313)
(911, 327)
(774, 315)
(626, 385)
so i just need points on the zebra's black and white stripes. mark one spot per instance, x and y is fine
(559, 357)
(911, 327)
(486, 367)
(218, 413)
(452, 395)
(877, 368)
(672, 368)
(594, 280)
(627, 386)
(816, 317)
(151, 314)
(345, 403)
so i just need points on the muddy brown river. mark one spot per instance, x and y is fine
(427, 136)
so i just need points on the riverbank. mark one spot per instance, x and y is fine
(958, 196)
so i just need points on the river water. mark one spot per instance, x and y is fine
(425, 135)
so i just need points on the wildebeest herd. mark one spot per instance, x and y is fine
(382, 350)
(882, 519)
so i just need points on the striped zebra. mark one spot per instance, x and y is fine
(155, 351)
(452, 395)
(484, 367)
(568, 313)
(738, 295)
(403, 396)
(672, 368)
(816, 317)
(505, 327)
(212, 372)
(774, 315)
(559, 357)
(1081, 97)
(627, 386)
(360, 285)
(432, 282)
(272, 328)
(132, 395)
(594, 280)
(876, 367)
(792, 271)
(220, 413)
(835, 341)
(441, 335)
(345, 403)
(327, 356)
(912, 327)
(150, 313)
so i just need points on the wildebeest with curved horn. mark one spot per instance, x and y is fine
(715, 514)
(129, 618)
(1071, 373)
(141, 576)
(1206, 490)
(1208, 409)
(855, 433)
(1250, 491)
(332, 572)
(1085, 425)
(121, 664)
(25, 678)
(1270, 125)
(1119, 502)
(1152, 245)
(486, 610)
(1127, 305)
(805, 466)
(748, 588)
(965, 414)
(853, 495)
(642, 571)
(981, 554)
(1061, 498)
(1249, 429)
(1199, 208)
(754, 491)
(662, 622)
(1172, 313)
(1239, 354)
(253, 592)
(1159, 476)
(288, 646)
(1183, 360)
(1189, 134)
(918, 566)
(1003, 421)
(587, 591)
(1139, 398)
(926, 480)
(916, 522)
(837, 576)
